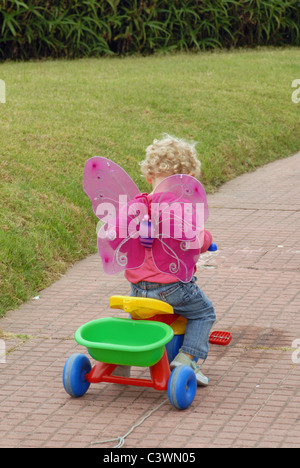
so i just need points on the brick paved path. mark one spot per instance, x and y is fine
(253, 399)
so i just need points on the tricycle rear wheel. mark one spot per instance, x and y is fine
(75, 370)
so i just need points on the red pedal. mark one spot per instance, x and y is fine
(220, 338)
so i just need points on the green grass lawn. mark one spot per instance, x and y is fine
(236, 105)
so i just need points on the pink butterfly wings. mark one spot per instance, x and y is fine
(105, 181)
(174, 234)
(110, 189)
(178, 211)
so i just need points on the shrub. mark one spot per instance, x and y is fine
(38, 29)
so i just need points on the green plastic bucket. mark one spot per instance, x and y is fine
(125, 341)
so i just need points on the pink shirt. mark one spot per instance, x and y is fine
(149, 272)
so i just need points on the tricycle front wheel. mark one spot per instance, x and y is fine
(75, 370)
(182, 387)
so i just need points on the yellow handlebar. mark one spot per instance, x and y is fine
(140, 307)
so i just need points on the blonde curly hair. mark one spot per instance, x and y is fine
(169, 156)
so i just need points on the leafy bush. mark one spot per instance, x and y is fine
(37, 29)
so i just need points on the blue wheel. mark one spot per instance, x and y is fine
(182, 387)
(76, 367)
(173, 346)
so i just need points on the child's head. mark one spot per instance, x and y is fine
(170, 156)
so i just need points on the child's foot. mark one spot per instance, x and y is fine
(182, 360)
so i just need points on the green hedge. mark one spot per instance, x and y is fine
(54, 28)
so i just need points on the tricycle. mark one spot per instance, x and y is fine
(150, 337)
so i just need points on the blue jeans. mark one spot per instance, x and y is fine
(190, 302)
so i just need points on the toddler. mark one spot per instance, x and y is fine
(166, 157)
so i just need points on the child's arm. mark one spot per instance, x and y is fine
(207, 241)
